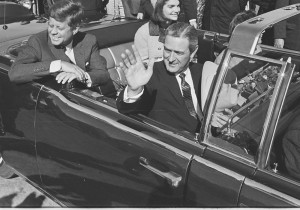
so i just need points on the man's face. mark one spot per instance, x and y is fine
(176, 54)
(171, 10)
(60, 33)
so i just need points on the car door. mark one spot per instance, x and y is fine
(17, 106)
(233, 151)
(272, 184)
(90, 155)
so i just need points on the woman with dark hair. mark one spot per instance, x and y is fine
(149, 37)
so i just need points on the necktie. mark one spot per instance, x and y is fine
(187, 96)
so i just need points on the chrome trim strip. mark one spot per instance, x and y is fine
(116, 124)
(112, 55)
(274, 193)
(263, 158)
(219, 168)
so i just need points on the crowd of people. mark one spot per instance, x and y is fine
(163, 83)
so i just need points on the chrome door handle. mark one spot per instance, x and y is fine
(172, 178)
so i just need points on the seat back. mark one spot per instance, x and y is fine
(208, 73)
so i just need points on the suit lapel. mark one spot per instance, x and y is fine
(78, 49)
(79, 55)
(172, 86)
(59, 53)
(196, 76)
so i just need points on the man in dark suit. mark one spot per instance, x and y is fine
(167, 91)
(287, 32)
(62, 51)
(189, 9)
(219, 13)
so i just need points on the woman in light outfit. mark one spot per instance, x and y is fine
(148, 38)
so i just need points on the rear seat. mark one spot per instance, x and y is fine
(113, 58)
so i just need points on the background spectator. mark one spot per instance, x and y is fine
(266, 6)
(287, 32)
(188, 8)
(219, 13)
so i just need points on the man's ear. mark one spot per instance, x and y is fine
(75, 30)
(193, 53)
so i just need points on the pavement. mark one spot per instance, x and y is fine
(16, 192)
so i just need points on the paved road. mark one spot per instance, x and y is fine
(16, 192)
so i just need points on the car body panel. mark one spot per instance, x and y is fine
(99, 164)
(18, 113)
(212, 185)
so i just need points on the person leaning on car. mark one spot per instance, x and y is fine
(161, 90)
(63, 51)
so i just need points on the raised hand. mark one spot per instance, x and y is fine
(135, 72)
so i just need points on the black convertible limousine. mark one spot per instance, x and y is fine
(73, 144)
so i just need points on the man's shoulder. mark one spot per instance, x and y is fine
(143, 28)
(196, 66)
(43, 36)
(85, 37)
(158, 66)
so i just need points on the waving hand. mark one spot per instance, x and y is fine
(135, 72)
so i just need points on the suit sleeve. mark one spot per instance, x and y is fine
(97, 65)
(28, 65)
(142, 105)
(190, 9)
(280, 28)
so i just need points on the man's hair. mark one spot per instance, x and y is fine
(184, 30)
(239, 18)
(158, 15)
(67, 9)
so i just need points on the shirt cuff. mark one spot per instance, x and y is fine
(55, 66)
(131, 99)
(88, 81)
(192, 20)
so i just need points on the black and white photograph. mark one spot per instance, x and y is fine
(149, 103)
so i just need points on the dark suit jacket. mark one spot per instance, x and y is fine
(162, 99)
(189, 8)
(289, 30)
(219, 13)
(34, 59)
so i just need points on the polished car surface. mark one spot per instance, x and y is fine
(71, 142)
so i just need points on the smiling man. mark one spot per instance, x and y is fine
(62, 51)
(167, 91)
